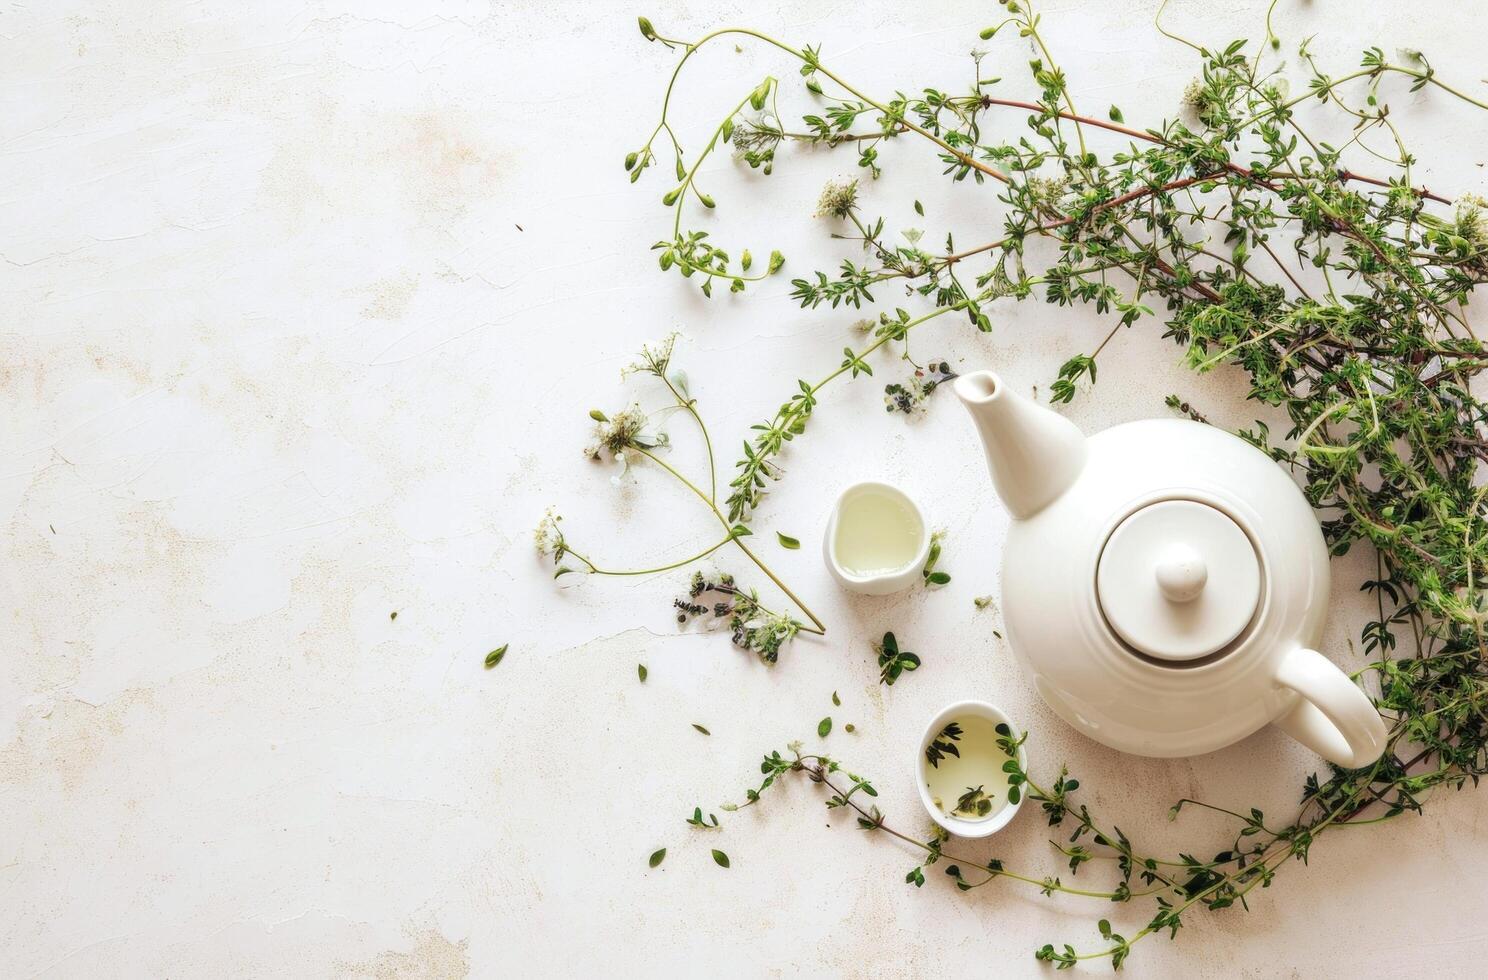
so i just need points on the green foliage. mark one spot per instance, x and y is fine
(634, 434)
(944, 744)
(975, 802)
(710, 822)
(892, 662)
(932, 577)
(752, 626)
(1341, 295)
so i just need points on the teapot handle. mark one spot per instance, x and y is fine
(1333, 717)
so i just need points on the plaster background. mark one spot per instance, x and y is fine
(305, 307)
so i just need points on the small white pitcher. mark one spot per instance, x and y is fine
(877, 583)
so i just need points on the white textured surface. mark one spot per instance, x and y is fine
(278, 360)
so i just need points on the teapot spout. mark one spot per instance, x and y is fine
(1033, 453)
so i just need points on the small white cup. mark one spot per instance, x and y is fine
(881, 583)
(957, 826)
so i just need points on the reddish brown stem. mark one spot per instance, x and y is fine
(1344, 175)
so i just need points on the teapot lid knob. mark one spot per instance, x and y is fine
(1178, 580)
(1181, 573)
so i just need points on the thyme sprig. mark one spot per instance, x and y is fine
(759, 465)
(847, 791)
(1176, 883)
(630, 434)
(1343, 295)
(752, 625)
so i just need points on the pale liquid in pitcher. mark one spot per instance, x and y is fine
(972, 785)
(877, 533)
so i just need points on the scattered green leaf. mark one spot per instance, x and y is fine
(893, 662)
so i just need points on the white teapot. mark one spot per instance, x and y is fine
(1164, 582)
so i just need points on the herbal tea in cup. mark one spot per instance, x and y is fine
(964, 777)
(877, 540)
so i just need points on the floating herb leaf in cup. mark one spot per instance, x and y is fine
(974, 803)
(944, 744)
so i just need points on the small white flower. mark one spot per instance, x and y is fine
(655, 357)
(548, 537)
(838, 198)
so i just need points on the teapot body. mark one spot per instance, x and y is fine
(1079, 662)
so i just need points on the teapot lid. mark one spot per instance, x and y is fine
(1178, 580)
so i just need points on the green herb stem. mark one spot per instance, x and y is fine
(819, 628)
(691, 47)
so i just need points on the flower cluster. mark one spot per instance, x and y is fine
(616, 434)
(656, 358)
(753, 626)
(549, 536)
(913, 393)
(838, 199)
(631, 429)
(1202, 99)
(1046, 193)
(550, 543)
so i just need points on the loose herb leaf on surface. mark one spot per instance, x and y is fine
(892, 662)
(698, 820)
(932, 577)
